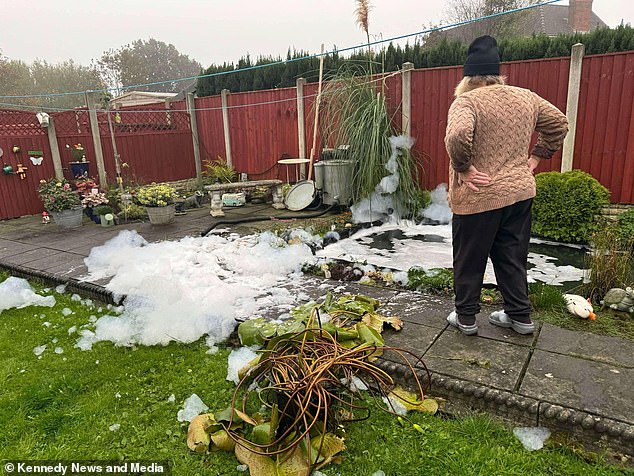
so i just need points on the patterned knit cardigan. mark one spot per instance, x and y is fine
(491, 128)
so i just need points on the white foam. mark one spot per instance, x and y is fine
(532, 437)
(18, 293)
(407, 253)
(238, 358)
(381, 204)
(183, 290)
(192, 407)
(438, 209)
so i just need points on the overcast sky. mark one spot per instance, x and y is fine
(215, 31)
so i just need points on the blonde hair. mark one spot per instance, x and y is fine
(469, 83)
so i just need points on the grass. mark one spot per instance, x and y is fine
(62, 405)
(611, 266)
(608, 323)
(550, 307)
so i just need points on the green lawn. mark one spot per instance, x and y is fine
(62, 405)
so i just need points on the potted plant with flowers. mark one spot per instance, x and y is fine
(91, 201)
(158, 199)
(91, 197)
(61, 202)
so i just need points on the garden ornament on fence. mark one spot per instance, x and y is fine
(579, 306)
(21, 171)
(619, 299)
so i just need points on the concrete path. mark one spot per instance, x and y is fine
(574, 381)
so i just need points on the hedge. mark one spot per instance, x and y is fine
(566, 205)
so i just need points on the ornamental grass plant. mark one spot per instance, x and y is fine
(58, 195)
(356, 114)
(156, 195)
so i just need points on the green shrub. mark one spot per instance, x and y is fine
(566, 205)
(626, 226)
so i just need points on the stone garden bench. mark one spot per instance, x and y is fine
(215, 193)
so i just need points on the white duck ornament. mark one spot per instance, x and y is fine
(580, 306)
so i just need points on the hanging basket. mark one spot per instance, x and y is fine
(161, 215)
(68, 218)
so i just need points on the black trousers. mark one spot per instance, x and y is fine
(503, 235)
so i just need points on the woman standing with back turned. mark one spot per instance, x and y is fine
(491, 184)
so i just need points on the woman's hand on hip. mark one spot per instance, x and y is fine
(472, 177)
(533, 162)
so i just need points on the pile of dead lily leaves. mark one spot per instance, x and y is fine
(314, 373)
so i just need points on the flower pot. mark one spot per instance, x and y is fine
(107, 219)
(161, 215)
(91, 214)
(80, 169)
(68, 218)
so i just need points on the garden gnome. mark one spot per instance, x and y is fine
(45, 218)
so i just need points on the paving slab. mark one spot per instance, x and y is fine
(59, 262)
(610, 350)
(414, 338)
(313, 288)
(427, 310)
(30, 255)
(582, 384)
(12, 248)
(381, 294)
(485, 361)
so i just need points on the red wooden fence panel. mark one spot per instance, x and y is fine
(604, 146)
(263, 126)
(18, 196)
(210, 129)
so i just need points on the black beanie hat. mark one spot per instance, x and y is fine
(483, 57)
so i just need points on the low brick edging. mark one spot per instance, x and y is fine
(463, 396)
(90, 290)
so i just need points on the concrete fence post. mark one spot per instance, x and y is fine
(96, 137)
(225, 125)
(572, 103)
(52, 142)
(406, 98)
(301, 125)
(191, 110)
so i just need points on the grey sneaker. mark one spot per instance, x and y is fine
(502, 319)
(452, 319)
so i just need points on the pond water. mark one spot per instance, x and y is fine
(405, 245)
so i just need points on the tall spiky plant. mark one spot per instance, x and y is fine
(356, 114)
(363, 14)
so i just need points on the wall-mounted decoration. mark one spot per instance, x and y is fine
(21, 171)
(7, 169)
(16, 149)
(36, 156)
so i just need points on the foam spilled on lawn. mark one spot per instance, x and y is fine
(184, 290)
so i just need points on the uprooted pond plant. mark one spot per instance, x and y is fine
(289, 408)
